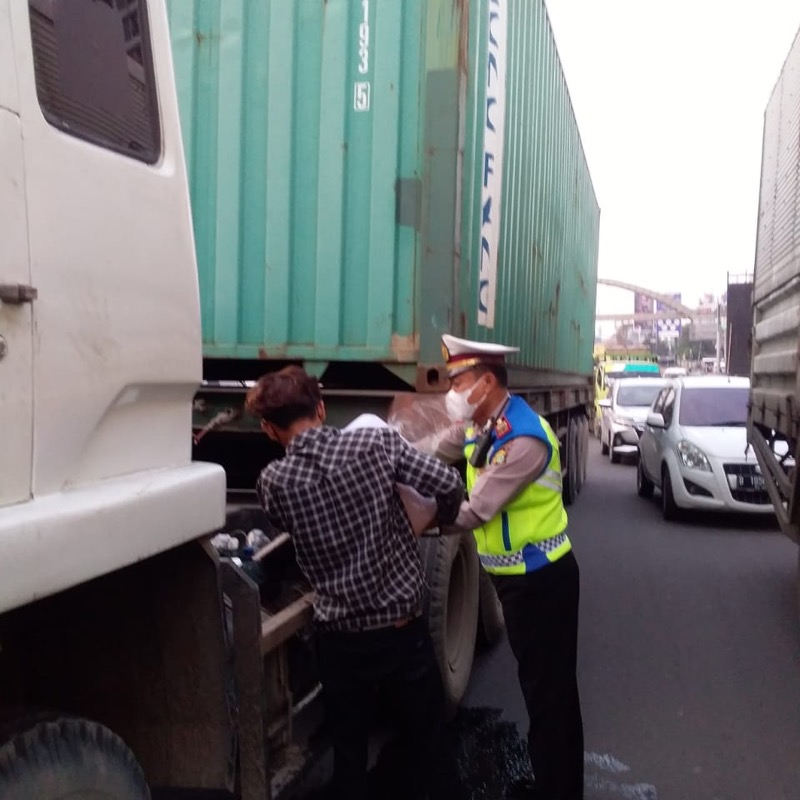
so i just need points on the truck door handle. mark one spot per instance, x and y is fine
(17, 293)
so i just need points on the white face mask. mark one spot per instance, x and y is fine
(459, 409)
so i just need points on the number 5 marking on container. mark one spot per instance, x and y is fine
(361, 96)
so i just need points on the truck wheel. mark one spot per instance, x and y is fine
(60, 758)
(491, 622)
(452, 571)
(570, 489)
(584, 435)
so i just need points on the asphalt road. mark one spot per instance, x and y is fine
(689, 660)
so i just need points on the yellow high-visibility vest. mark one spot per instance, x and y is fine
(530, 531)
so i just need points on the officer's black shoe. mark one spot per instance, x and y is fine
(522, 789)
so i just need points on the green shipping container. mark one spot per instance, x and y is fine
(369, 174)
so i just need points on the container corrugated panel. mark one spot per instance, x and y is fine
(777, 269)
(549, 217)
(299, 117)
(334, 217)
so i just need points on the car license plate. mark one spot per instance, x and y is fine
(754, 482)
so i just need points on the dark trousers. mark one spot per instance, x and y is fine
(541, 613)
(353, 668)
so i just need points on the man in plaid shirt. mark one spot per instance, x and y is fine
(336, 493)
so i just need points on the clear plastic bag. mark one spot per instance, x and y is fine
(421, 510)
(421, 420)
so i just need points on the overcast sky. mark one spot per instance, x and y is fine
(670, 98)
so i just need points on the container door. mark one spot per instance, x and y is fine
(16, 320)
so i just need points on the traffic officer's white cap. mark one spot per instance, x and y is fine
(461, 355)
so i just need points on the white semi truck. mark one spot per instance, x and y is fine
(111, 635)
(131, 655)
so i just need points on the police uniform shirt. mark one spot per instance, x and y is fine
(525, 460)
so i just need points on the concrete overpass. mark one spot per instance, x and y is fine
(678, 309)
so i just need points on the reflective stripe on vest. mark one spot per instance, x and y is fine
(530, 531)
(513, 559)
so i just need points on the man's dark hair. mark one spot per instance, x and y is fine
(284, 397)
(498, 370)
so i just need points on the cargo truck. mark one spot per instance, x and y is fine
(774, 413)
(364, 177)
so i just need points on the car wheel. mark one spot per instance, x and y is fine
(644, 486)
(615, 458)
(603, 444)
(669, 509)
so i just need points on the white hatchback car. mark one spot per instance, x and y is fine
(695, 448)
(625, 413)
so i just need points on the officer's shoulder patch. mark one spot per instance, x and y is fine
(503, 427)
(500, 456)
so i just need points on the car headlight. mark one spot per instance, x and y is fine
(622, 420)
(693, 457)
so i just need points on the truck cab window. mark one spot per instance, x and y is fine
(94, 73)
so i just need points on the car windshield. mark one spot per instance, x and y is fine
(637, 395)
(718, 406)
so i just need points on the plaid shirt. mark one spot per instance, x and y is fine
(334, 492)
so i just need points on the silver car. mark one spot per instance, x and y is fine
(625, 413)
(695, 449)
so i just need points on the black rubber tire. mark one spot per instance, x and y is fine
(569, 490)
(603, 446)
(491, 622)
(452, 572)
(579, 454)
(584, 450)
(62, 757)
(613, 457)
(669, 509)
(644, 486)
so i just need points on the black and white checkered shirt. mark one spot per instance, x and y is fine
(335, 493)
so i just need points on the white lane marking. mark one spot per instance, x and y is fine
(629, 791)
(606, 762)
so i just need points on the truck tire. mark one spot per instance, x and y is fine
(491, 622)
(583, 451)
(452, 572)
(60, 757)
(570, 489)
(585, 456)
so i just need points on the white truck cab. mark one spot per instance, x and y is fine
(100, 356)
(100, 348)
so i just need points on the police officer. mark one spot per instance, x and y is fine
(518, 519)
